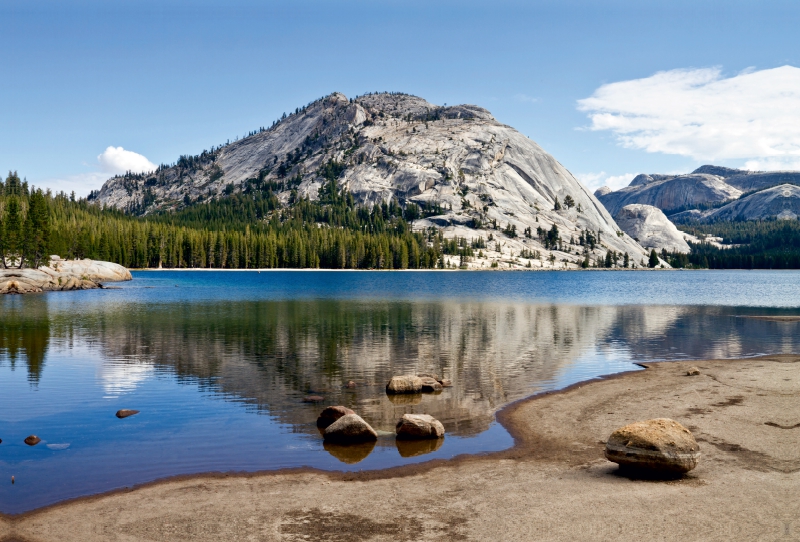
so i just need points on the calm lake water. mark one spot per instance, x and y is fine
(219, 363)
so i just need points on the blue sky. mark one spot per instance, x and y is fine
(170, 77)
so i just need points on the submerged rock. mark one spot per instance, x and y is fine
(350, 385)
(404, 384)
(331, 414)
(313, 399)
(350, 428)
(419, 426)
(403, 399)
(124, 413)
(661, 445)
(32, 440)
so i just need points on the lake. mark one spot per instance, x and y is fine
(221, 364)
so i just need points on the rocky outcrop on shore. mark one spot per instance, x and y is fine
(661, 445)
(62, 275)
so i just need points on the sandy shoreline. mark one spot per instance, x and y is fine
(554, 484)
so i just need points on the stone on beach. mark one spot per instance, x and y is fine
(404, 384)
(32, 440)
(693, 371)
(331, 414)
(125, 412)
(419, 426)
(661, 445)
(350, 428)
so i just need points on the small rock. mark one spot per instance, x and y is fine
(661, 445)
(430, 385)
(124, 413)
(350, 385)
(429, 375)
(313, 399)
(446, 383)
(404, 384)
(350, 428)
(419, 426)
(331, 414)
(693, 371)
(32, 440)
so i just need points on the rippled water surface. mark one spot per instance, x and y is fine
(219, 364)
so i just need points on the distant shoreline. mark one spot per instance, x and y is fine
(273, 269)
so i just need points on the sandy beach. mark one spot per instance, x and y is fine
(554, 484)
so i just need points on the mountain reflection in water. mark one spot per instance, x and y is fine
(201, 373)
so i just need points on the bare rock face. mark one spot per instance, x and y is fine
(61, 275)
(651, 228)
(331, 414)
(661, 445)
(350, 428)
(475, 170)
(780, 202)
(419, 426)
(404, 384)
(671, 192)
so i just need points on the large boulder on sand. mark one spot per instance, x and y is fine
(656, 445)
(419, 426)
(350, 428)
(331, 414)
(404, 384)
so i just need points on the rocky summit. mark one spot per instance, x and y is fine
(651, 228)
(472, 176)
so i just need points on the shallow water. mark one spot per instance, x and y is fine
(220, 363)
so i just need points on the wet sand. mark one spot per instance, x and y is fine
(554, 484)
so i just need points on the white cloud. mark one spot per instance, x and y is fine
(117, 160)
(753, 116)
(593, 181)
(526, 98)
(113, 161)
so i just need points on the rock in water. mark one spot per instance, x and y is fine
(693, 371)
(661, 445)
(331, 414)
(350, 385)
(124, 413)
(430, 385)
(349, 453)
(404, 384)
(446, 383)
(350, 428)
(32, 440)
(419, 426)
(313, 399)
(429, 375)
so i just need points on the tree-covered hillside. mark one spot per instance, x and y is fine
(247, 230)
(755, 244)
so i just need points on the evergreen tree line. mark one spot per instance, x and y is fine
(754, 244)
(24, 225)
(234, 233)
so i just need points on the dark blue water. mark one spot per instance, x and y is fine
(219, 363)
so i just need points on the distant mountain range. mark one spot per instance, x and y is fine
(711, 193)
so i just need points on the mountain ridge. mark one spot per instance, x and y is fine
(471, 175)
